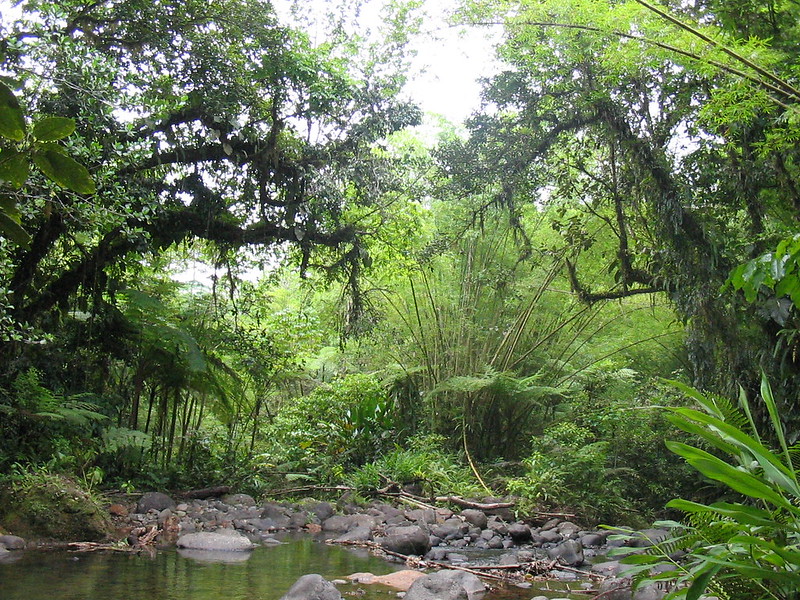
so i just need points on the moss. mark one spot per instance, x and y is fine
(52, 507)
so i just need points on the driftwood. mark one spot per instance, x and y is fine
(211, 492)
(476, 505)
(312, 488)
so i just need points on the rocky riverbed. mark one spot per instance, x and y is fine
(467, 543)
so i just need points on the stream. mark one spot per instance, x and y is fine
(264, 574)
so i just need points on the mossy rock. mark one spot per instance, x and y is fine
(51, 507)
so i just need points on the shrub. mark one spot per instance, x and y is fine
(747, 549)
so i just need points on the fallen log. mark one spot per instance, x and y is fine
(210, 492)
(457, 500)
(312, 488)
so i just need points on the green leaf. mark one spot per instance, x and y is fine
(701, 582)
(737, 480)
(14, 168)
(12, 120)
(50, 129)
(12, 230)
(64, 171)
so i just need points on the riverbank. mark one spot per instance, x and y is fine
(489, 543)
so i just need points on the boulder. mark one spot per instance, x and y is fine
(475, 517)
(55, 508)
(446, 585)
(569, 553)
(337, 524)
(241, 499)
(399, 580)
(520, 533)
(228, 541)
(12, 542)
(358, 534)
(154, 501)
(407, 540)
(312, 587)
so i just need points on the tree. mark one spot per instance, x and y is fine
(207, 120)
(670, 127)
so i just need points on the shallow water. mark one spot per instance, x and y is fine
(264, 574)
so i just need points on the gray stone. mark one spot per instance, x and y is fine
(312, 587)
(243, 499)
(323, 510)
(452, 528)
(226, 540)
(154, 501)
(475, 517)
(549, 536)
(407, 540)
(592, 540)
(496, 543)
(567, 529)
(520, 533)
(337, 524)
(446, 585)
(568, 553)
(12, 542)
(421, 515)
(359, 534)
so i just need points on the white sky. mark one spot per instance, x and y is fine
(444, 74)
(452, 59)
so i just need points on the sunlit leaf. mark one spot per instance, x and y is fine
(12, 120)
(51, 129)
(13, 231)
(64, 171)
(14, 168)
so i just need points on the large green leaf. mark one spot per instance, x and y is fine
(51, 129)
(749, 515)
(738, 480)
(722, 435)
(12, 120)
(12, 230)
(64, 171)
(14, 167)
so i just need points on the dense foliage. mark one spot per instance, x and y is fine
(486, 314)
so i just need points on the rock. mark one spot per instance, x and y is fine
(475, 517)
(549, 536)
(157, 501)
(421, 515)
(359, 534)
(446, 585)
(56, 508)
(322, 510)
(312, 587)
(232, 541)
(336, 524)
(592, 540)
(450, 529)
(118, 510)
(569, 553)
(407, 540)
(12, 542)
(399, 580)
(520, 533)
(242, 499)
(567, 529)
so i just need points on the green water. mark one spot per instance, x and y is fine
(170, 575)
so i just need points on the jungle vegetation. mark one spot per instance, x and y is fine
(495, 312)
